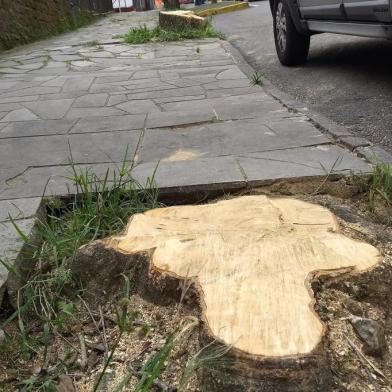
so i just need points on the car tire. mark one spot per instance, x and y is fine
(292, 47)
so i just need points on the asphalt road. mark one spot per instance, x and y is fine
(348, 79)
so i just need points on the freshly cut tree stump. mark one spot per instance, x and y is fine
(252, 259)
(179, 20)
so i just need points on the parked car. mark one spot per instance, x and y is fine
(295, 21)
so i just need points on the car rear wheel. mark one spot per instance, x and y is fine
(292, 47)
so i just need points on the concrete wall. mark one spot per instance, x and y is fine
(23, 21)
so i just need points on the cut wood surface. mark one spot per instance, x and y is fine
(180, 19)
(253, 257)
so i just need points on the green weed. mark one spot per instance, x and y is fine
(328, 173)
(101, 207)
(124, 320)
(20, 34)
(381, 185)
(154, 366)
(143, 34)
(144, 330)
(256, 79)
(211, 355)
(44, 380)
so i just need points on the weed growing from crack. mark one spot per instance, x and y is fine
(328, 173)
(256, 79)
(100, 208)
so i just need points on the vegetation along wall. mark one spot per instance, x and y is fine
(23, 21)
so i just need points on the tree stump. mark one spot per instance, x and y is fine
(180, 20)
(252, 260)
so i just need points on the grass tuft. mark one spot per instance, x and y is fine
(380, 187)
(256, 79)
(210, 356)
(101, 207)
(143, 34)
(154, 366)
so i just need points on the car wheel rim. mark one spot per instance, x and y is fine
(281, 29)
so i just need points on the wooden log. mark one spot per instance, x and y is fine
(179, 20)
(252, 260)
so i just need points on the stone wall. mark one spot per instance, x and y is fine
(23, 21)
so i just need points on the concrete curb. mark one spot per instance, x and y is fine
(362, 147)
(222, 10)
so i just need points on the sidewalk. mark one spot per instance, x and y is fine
(184, 107)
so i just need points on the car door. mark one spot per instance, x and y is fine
(322, 9)
(368, 10)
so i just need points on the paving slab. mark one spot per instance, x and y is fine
(228, 138)
(91, 100)
(375, 154)
(78, 83)
(176, 118)
(94, 112)
(109, 123)
(21, 208)
(166, 92)
(25, 92)
(19, 115)
(57, 149)
(183, 110)
(190, 175)
(39, 182)
(27, 98)
(353, 142)
(36, 128)
(49, 110)
(139, 106)
(300, 163)
(12, 252)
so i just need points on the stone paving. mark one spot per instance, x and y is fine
(184, 108)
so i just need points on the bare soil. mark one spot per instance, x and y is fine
(366, 295)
